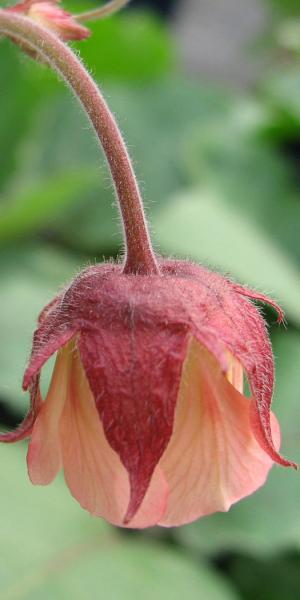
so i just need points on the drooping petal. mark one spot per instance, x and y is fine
(153, 506)
(44, 452)
(213, 458)
(93, 470)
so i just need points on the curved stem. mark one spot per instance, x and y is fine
(139, 253)
(100, 13)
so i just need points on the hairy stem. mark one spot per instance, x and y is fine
(104, 11)
(139, 253)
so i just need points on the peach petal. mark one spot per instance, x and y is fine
(93, 470)
(235, 373)
(213, 458)
(154, 504)
(44, 455)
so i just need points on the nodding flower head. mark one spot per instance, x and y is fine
(51, 16)
(145, 411)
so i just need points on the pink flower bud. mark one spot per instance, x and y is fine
(52, 17)
(146, 412)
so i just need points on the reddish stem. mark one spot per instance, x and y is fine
(140, 257)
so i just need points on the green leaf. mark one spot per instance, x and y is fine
(286, 402)
(51, 548)
(17, 106)
(290, 7)
(280, 92)
(156, 129)
(35, 207)
(230, 157)
(268, 521)
(58, 145)
(274, 579)
(60, 140)
(129, 47)
(38, 525)
(200, 225)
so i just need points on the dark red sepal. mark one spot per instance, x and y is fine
(134, 370)
(254, 295)
(53, 332)
(24, 430)
(227, 309)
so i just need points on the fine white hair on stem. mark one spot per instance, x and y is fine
(140, 257)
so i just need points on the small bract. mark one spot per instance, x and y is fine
(49, 14)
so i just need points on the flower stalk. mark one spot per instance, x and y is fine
(139, 256)
(101, 13)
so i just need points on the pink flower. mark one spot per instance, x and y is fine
(145, 411)
(51, 16)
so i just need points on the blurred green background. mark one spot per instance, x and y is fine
(218, 159)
